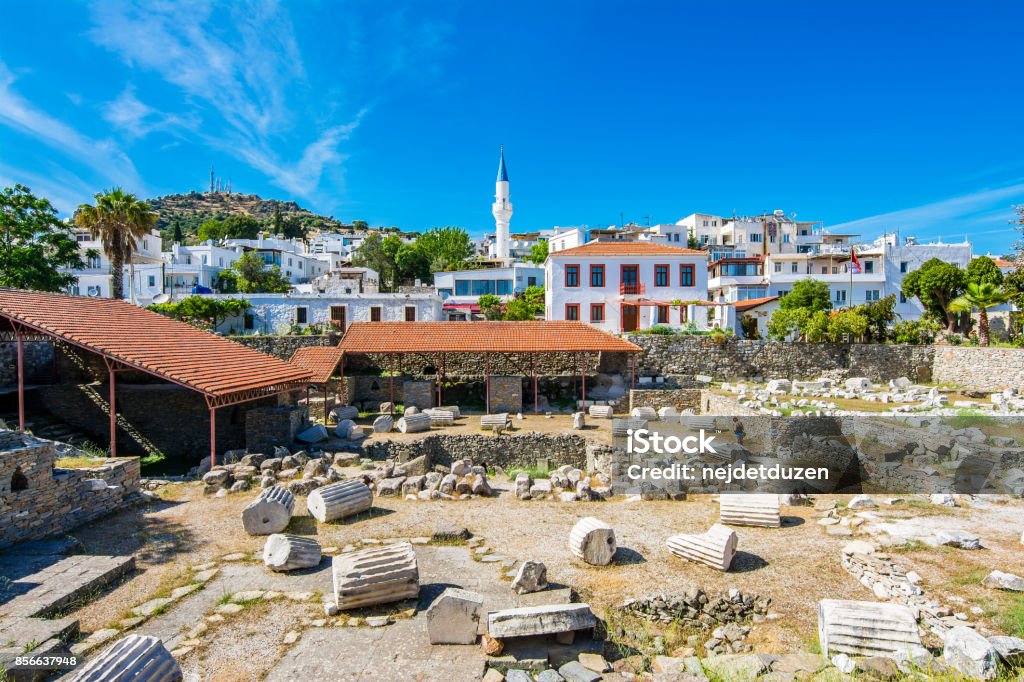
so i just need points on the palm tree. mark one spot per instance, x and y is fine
(980, 296)
(118, 219)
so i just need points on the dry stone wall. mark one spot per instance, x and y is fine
(980, 369)
(283, 347)
(38, 500)
(679, 398)
(37, 359)
(487, 450)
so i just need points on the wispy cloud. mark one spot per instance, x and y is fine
(135, 119)
(986, 211)
(103, 156)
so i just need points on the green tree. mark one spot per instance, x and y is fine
(538, 253)
(518, 310)
(292, 228)
(36, 248)
(412, 263)
(784, 324)
(534, 297)
(372, 254)
(811, 294)
(1013, 285)
(360, 225)
(983, 270)
(846, 325)
(118, 219)
(936, 283)
(490, 306)
(232, 227)
(253, 276)
(277, 222)
(178, 237)
(981, 296)
(448, 247)
(880, 315)
(201, 311)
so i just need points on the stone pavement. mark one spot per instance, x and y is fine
(53, 587)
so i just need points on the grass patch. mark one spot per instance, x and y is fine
(535, 472)
(82, 462)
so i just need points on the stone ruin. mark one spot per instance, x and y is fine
(38, 500)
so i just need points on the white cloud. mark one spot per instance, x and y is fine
(103, 156)
(135, 119)
(983, 212)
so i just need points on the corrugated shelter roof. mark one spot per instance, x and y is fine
(626, 248)
(480, 337)
(150, 342)
(319, 361)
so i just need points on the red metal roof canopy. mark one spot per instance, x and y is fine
(480, 337)
(147, 341)
(319, 361)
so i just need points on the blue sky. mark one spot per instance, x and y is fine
(868, 116)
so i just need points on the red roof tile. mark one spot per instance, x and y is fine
(150, 342)
(319, 361)
(626, 248)
(753, 303)
(480, 337)
(1003, 263)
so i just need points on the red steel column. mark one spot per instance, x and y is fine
(632, 371)
(113, 413)
(440, 374)
(583, 376)
(21, 381)
(213, 436)
(487, 382)
(536, 399)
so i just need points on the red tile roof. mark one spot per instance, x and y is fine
(1003, 263)
(626, 248)
(753, 303)
(319, 361)
(150, 342)
(480, 337)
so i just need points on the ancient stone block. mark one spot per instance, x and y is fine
(454, 617)
(269, 513)
(414, 423)
(540, 620)
(523, 483)
(970, 654)
(593, 541)
(860, 628)
(647, 413)
(383, 424)
(377, 575)
(715, 548)
(531, 577)
(137, 658)
(290, 552)
(338, 500)
(600, 411)
(495, 422)
(750, 509)
(343, 412)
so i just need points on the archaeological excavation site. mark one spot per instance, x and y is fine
(521, 501)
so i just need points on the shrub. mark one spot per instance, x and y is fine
(915, 332)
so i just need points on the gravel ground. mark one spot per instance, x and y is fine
(795, 565)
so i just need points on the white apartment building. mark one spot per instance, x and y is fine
(278, 313)
(296, 263)
(190, 269)
(622, 286)
(461, 289)
(143, 275)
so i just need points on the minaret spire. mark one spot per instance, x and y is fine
(501, 208)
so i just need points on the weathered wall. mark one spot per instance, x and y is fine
(679, 398)
(37, 359)
(506, 394)
(172, 419)
(720, 405)
(266, 427)
(284, 347)
(980, 369)
(505, 451)
(744, 359)
(55, 500)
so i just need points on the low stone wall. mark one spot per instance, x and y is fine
(37, 357)
(267, 427)
(38, 500)
(733, 359)
(679, 398)
(505, 451)
(284, 347)
(980, 369)
(723, 406)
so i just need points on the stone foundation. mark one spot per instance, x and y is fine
(979, 369)
(506, 394)
(266, 427)
(680, 398)
(38, 500)
(523, 450)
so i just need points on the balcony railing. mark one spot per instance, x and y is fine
(632, 289)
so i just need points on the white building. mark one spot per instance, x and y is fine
(622, 286)
(195, 268)
(279, 313)
(143, 274)
(461, 290)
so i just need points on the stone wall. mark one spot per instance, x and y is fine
(38, 500)
(679, 398)
(506, 394)
(981, 369)
(161, 418)
(284, 347)
(472, 364)
(734, 359)
(421, 394)
(505, 451)
(720, 405)
(37, 357)
(266, 427)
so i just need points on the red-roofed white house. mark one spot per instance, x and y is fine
(622, 286)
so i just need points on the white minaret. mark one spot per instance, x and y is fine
(502, 208)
